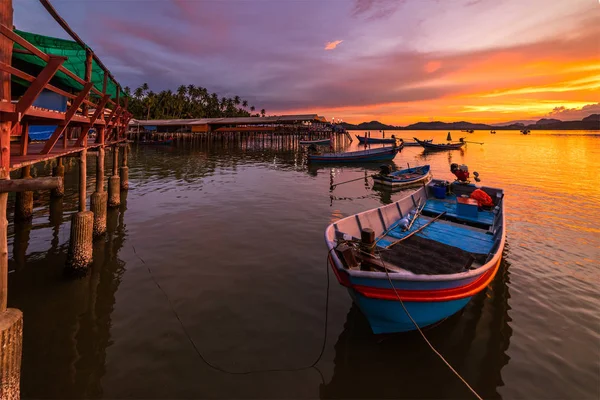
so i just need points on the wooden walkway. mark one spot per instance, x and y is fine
(33, 150)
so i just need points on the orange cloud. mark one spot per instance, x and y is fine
(332, 45)
(432, 66)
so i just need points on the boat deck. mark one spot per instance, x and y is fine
(448, 205)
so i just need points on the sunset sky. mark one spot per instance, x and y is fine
(396, 61)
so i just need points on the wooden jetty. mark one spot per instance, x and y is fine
(33, 68)
(286, 128)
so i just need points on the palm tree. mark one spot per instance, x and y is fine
(263, 112)
(138, 93)
(252, 108)
(245, 103)
(237, 100)
(145, 87)
(127, 90)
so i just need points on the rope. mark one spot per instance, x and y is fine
(423, 335)
(223, 370)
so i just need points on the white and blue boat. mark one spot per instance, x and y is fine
(449, 253)
(404, 177)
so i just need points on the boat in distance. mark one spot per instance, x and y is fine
(370, 140)
(380, 154)
(403, 177)
(440, 146)
(412, 143)
(163, 142)
(319, 142)
(423, 257)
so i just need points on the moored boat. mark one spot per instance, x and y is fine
(370, 140)
(319, 142)
(412, 143)
(380, 154)
(403, 177)
(421, 259)
(440, 146)
(493, 132)
(525, 131)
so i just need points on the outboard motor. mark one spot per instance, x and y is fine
(461, 173)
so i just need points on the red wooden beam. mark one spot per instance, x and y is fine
(29, 78)
(18, 39)
(68, 117)
(85, 129)
(24, 138)
(38, 85)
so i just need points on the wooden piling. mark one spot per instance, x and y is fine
(59, 171)
(24, 200)
(98, 200)
(125, 169)
(114, 190)
(11, 320)
(79, 256)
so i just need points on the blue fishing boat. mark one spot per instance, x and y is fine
(380, 154)
(370, 140)
(421, 259)
(320, 142)
(403, 177)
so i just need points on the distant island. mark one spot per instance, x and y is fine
(591, 122)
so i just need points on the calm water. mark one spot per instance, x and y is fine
(233, 234)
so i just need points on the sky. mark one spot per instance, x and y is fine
(396, 61)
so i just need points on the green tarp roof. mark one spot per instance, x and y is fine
(75, 62)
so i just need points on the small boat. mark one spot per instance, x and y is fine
(493, 132)
(421, 258)
(404, 177)
(380, 154)
(440, 146)
(414, 144)
(319, 142)
(369, 140)
(468, 130)
(525, 131)
(164, 142)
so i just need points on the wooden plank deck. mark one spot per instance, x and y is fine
(33, 150)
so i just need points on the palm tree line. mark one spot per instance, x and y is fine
(187, 102)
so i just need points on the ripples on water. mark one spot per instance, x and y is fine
(233, 233)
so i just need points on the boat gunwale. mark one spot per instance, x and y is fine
(357, 153)
(407, 275)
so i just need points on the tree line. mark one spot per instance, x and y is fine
(187, 102)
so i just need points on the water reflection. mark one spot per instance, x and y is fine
(402, 366)
(67, 322)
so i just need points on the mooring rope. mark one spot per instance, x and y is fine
(423, 335)
(216, 367)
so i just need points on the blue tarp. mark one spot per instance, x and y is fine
(52, 101)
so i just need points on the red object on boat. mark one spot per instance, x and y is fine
(482, 198)
(461, 175)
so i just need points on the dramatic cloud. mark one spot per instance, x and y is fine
(332, 45)
(572, 114)
(401, 60)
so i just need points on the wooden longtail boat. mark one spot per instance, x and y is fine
(320, 142)
(441, 146)
(415, 144)
(369, 140)
(449, 253)
(380, 154)
(404, 177)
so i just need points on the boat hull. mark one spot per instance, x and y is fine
(439, 147)
(368, 140)
(356, 157)
(323, 142)
(388, 316)
(396, 181)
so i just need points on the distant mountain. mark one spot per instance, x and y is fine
(547, 121)
(591, 122)
(370, 126)
(521, 122)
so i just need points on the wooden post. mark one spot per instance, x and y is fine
(367, 239)
(24, 200)
(114, 190)
(11, 320)
(79, 256)
(98, 200)
(125, 169)
(58, 171)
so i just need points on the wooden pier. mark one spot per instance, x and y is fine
(31, 68)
